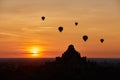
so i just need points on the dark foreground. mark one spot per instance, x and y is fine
(70, 66)
(34, 70)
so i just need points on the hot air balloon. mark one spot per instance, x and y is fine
(101, 40)
(76, 23)
(60, 28)
(43, 18)
(85, 37)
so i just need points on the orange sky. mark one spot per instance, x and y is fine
(21, 27)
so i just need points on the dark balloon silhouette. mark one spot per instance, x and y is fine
(60, 28)
(43, 18)
(76, 23)
(101, 40)
(85, 37)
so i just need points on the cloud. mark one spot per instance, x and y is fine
(94, 29)
(5, 34)
(27, 29)
(47, 27)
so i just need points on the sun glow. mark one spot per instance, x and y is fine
(35, 51)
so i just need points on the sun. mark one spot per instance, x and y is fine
(35, 51)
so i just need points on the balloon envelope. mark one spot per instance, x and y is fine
(43, 18)
(76, 23)
(101, 40)
(60, 28)
(85, 37)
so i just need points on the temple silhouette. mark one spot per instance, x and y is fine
(71, 56)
